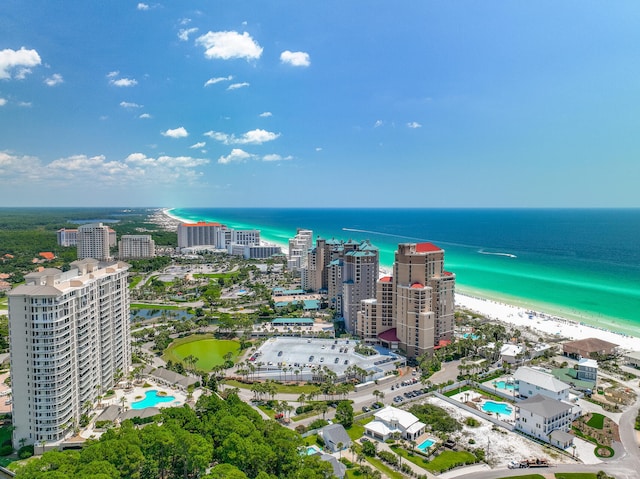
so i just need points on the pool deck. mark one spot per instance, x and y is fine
(133, 394)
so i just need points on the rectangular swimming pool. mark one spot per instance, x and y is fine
(426, 444)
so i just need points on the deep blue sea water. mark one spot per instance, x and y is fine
(579, 263)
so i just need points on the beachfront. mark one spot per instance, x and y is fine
(515, 315)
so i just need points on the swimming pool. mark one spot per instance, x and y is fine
(151, 399)
(426, 444)
(503, 385)
(311, 450)
(497, 407)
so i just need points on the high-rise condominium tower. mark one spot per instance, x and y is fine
(69, 337)
(93, 242)
(415, 308)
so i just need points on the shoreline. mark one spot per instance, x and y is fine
(517, 314)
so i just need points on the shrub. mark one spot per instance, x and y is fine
(318, 423)
(6, 450)
(301, 428)
(25, 452)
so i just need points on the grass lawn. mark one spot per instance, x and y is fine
(576, 475)
(448, 459)
(378, 464)
(216, 275)
(417, 459)
(596, 421)
(135, 280)
(209, 351)
(356, 431)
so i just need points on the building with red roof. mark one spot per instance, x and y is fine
(414, 309)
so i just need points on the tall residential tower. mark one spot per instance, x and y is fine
(69, 337)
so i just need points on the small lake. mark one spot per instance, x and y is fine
(142, 314)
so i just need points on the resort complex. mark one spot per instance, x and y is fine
(365, 371)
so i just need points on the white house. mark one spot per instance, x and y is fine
(530, 382)
(510, 353)
(391, 420)
(546, 419)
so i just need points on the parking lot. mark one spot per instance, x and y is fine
(280, 358)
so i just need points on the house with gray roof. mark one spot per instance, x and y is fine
(339, 469)
(532, 381)
(334, 435)
(544, 419)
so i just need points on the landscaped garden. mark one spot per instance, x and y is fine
(598, 429)
(208, 351)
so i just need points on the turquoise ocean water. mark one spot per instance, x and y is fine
(580, 264)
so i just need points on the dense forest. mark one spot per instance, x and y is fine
(218, 439)
(25, 232)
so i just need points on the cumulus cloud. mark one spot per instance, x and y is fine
(318, 148)
(297, 59)
(143, 6)
(276, 157)
(145, 116)
(213, 81)
(235, 86)
(253, 137)
(414, 124)
(200, 144)
(378, 123)
(179, 132)
(236, 155)
(265, 114)
(127, 104)
(136, 169)
(3, 101)
(54, 80)
(124, 82)
(229, 45)
(21, 60)
(184, 33)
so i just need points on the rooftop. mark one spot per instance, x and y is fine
(544, 406)
(540, 378)
(427, 248)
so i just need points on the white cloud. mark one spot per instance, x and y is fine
(21, 59)
(213, 81)
(113, 74)
(184, 33)
(253, 137)
(414, 124)
(276, 157)
(236, 155)
(378, 123)
(54, 80)
(145, 116)
(25, 104)
(127, 104)
(318, 148)
(179, 132)
(137, 169)
(200, 144)
(124, 82)
(228, 45)
(3, 101)
(265, 114)
(143, 6)
(235, 86)
(297, 59)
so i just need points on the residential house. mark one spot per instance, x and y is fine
(390, 420)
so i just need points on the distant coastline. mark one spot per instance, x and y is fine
(495, 305)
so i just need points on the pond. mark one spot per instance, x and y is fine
(169, 314)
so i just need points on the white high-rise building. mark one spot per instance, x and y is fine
(94, 241)
(199, 234)
(69, 337)
(299, 245)
(67, 237)
(136, 246)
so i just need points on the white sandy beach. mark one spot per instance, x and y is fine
(545, 323)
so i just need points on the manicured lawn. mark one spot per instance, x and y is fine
(209, 351)
(576, 475)
(449, 459)
(596, 421)
(378, 464)
(356, 431)
(417, 459)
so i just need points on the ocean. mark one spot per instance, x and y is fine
(582, 264)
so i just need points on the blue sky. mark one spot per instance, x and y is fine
(334, 103)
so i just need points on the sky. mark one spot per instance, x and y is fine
(333, 103)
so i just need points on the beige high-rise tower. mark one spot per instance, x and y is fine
(414, 309)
